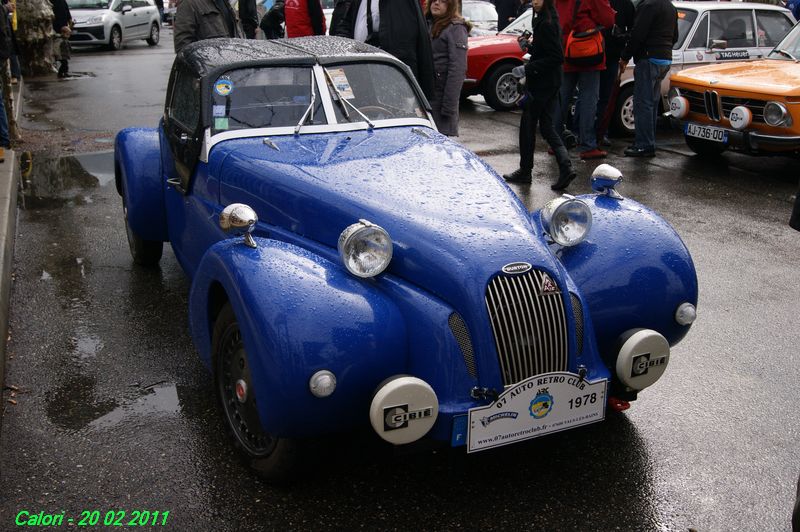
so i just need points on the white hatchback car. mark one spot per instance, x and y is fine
(112, 22)
(711, 32)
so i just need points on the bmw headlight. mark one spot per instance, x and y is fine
(567, 220)
(95, 20)
(776, 114)
(365, 248)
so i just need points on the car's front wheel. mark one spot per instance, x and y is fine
(500, 88)
(155, 34)
(273, 458)
(622, 121)
(145, 253)
(115, 38)
(704, 147)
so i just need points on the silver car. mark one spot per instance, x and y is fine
(112, 22)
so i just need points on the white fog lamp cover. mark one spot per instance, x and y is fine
(679, 107)
(740, 117)
(567, 220)
(403, 409)
(365, 249)
(642, 359)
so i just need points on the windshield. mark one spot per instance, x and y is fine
(89, 4)
(686, 20)
(789, 46)
(520, 24)
(263, 97)
(379, 91)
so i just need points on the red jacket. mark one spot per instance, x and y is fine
(304, 18)
(591, 14)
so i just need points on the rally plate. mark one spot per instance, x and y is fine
(539, 405)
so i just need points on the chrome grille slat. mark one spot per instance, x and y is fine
(530, 327)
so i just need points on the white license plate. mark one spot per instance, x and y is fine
(539, 405)
(714, 134)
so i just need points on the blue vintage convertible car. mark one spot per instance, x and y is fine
(352, 266)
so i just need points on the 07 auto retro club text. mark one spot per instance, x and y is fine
(550, 379)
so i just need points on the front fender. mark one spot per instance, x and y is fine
(300, 313)
(633, 271)
(137, 171)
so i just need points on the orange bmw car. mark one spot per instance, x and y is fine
(753, 106)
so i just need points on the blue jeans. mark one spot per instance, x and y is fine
(588, 84)
(646, 93)
(4, 140)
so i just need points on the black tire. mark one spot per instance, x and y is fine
(155, 34)
(115, 39)
(145, 253)
(271, 457)
(705, 147)
(500, 88)
(622, 122)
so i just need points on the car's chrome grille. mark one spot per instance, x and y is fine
(756, 106)
(709, 103)
(529, 324)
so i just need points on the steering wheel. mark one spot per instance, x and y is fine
(376, 110)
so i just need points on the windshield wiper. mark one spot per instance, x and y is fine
(310, 108)
(344, 103)
(787, 54)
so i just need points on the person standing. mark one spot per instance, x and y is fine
(582, 16)
(655, 30)
(506, 12)
(273, 22)
(5, 54)
(449, 44)
(61, 16)
(196, 20)
(395, 26)
(543, 75)
(616, 37)
(304, 18)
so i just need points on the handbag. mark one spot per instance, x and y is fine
(584, 48)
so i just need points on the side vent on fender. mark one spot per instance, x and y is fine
(577, 315)
(459, 330)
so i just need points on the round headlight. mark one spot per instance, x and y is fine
(775, 114)
(679, 107)
(740, 117)
(365, 248)
(567, 220)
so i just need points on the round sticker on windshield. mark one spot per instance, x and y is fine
(223, 86)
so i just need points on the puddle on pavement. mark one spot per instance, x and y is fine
(75, 406)
(55, 182)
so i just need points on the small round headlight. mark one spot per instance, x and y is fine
(679, 107)
(365, 248)
(740, 117)
(686, 314)
(776, 114)
(322, 383)
(567, 220)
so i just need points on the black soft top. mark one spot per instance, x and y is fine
(210, 56)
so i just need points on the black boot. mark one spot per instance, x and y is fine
(564, 180)
(520, 175)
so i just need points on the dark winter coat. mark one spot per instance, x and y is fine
(617, 35)
(655, 30)
(248, 15)
(5, 35)
(450, 69)
(543, 71)
(197, 20)
(402, 33)
(61, 15)
(506, 9)
(272, 20)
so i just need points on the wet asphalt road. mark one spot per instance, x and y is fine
(115, 411)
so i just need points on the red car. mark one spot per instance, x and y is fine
(489, 63)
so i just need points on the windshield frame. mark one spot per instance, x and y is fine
(792, 36)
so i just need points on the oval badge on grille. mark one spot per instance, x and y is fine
(517, 267)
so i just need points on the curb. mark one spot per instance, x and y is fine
(9, 178)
